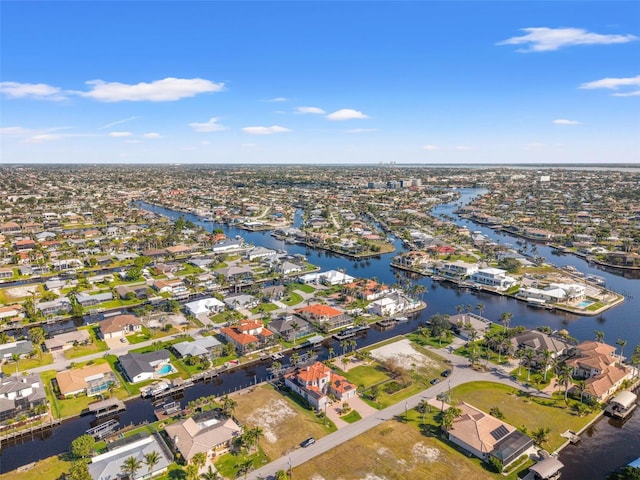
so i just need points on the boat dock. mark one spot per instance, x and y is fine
(622, 405)
(167, 410)
(350, 332)
(106, 407)
(384, 324)
(104, 429)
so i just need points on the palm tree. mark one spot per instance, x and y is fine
(547, 355)
(506, 320)
(480, 307)
(210, 474)
(599, 335)
(331, 352)
(541, 435)
(459, 309)
(130, 467)
(245, 466)
(199, 459)
(528, 355)
(228, 405)
(581, 386)
(621, 343)
(16, 358)
(294, 327)
(635, 358)
(564, 378)
(151, 459)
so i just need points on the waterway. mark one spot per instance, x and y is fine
(621, 322)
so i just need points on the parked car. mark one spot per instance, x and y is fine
(446, 373)
(124, 340)
(309, 441)
(434, 381)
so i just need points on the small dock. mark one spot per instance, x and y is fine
(385, 324)
(205, 376)
(104, 429)
(571, 436)
(106, 407)
(167, 410)
(350, 332)
(622, 405)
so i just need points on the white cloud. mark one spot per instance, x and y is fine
(430, 148)
(120, 134)
(346, 114)
(315, 110)
(117, 122)
(210, 126)
(15, 131)
(361, 130)
(277, 100)
(165, 90)
(544, 39)
(265, 130)
(44, 137)
(564, 121)
(152, 135)
(39, 91)
(616, 83)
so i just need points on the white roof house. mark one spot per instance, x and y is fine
(205, 305)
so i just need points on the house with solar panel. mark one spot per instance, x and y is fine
(486, 436)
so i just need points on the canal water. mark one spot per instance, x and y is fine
(620, 322)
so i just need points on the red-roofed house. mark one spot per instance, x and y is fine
(596, 362)
(316, 382)
(247, 335)
(25, 244)
(324, 316)
(119, 326)
(367, 289)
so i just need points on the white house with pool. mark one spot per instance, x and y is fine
(139, 367)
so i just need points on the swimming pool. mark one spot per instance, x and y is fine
(585, 303)
(166, 369)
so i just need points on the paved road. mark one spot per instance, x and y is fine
(461, 373)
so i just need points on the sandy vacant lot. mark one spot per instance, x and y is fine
(403, 352)
(20, 292)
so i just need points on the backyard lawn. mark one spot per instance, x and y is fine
(52, 467)
(27, 363)
(303, 287)
(522, 411)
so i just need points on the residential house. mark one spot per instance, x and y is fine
(90, 380)
(64, 341)
(257, 253)
(205, 306)
(274, 293)
(87, 300)
(317, 382)
(539, 342)
(166, 268)
(119, 326)
(412, 259)
(209, 433)
(597, 364)
(228, 245)
(202, 347)
(236, 275)
(108, 466)
(20, 394)
(240, 302)
(367, 289)
(175, 287)
(324, 316)
(6, 272)
(493, 277)
(287, 268)
(463, 324)
(457, 269)
(331, 277)
(176, 250)
(554, 293)
(485, 436)
(20, 348)
(146, 366)
(137, 291)
(11, 312)
(10, 228)
(247, 335)
(291, 327)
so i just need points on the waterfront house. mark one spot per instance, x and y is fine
(317, 382)
(20, 394)
(324, 316)
(64, 341)
(463, 324)
(331, 277)
(20, 348)
(87, 300)
(493, 277)
(146, 366)
(91, 380)
(236, 275)
(247, 335)
(228, 245)
(59, 306)
(486, 436)
(202, 347)
(11, 312)
(132, 291)
(175, 287)
(240, 302)
(291, 327)
(257, 253)
(539, 342)
(273, 293)
(119, 326)
(108, 466)
(206, 306)
(209, 432)
(6, 272)
(456, 270)
(597, 364)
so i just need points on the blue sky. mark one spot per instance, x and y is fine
(320, 82)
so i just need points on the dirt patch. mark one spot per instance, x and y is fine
(403, 352)
(422, 453)
(21, 292)
(270, 416)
